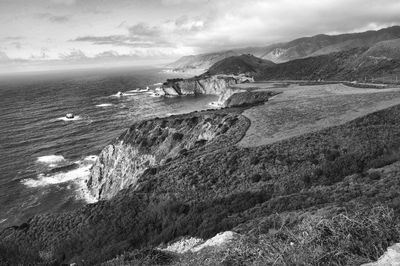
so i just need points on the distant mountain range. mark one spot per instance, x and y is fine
(380, 61)
(301, 48)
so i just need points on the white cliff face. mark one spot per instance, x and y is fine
(216, 85)
(117, 167)
(390, 258)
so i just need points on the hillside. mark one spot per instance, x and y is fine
(381, 62)
(385, 50)
(201, 61)
(274, 193)
(243, 64)
(354, 64)
(299, 48)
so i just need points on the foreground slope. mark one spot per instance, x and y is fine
(254, 191)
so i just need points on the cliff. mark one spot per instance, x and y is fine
(151, 143)
(215, 84)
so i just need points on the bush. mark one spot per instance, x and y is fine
(177, 136)
(255, 178)
(374, 176)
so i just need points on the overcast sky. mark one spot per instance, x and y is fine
(38, 33)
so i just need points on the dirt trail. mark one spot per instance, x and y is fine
(302, 109)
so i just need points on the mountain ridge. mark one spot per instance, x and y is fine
(319, 44)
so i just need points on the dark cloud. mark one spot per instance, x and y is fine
(144, 30)
(13, 38)
(122, 40)
(53, 18)
(140, 35)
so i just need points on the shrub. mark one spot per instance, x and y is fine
(177, 136)
(254, 160)
(374, 176)
(255, 178)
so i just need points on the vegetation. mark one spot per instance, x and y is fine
(312, 190)
(344, 238)
(243, 64)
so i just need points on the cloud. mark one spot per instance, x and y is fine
(140, 35)
(185, 24)
(144, 30)
(17, 45)
(53, 18)
(181, 2)
(12, 38)
(73, 55)
(59, 19)
(4, 57)
(63, 2)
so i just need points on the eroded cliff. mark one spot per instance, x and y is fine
(147, 144)
(216, 84)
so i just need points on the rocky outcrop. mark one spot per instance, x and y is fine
(248, 98)
(217, 85)
(390, 258)
(151, 143)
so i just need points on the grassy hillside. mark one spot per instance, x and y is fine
(248, 190)
(201, 61)
(247, 64)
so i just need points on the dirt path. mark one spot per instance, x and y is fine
(302, 109)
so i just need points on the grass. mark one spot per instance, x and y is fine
(348, 238)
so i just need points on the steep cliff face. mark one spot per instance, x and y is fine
(154, 142)
(217, 85)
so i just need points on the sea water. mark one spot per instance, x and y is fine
(45, 158)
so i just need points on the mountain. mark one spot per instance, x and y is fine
(385, 50)
(299, 48)
(243, 64)
(380, 61)
(201, 61)
(353, 64)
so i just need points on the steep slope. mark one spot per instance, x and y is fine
(385, 50)
(201, 61)
(243, 64)
(325, 44)
(299, 48)
(354, 64)
(148, 144)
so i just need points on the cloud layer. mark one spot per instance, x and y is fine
(90, 29)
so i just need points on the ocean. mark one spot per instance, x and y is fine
(44, 157)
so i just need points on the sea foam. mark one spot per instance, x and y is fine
(77, 117)
(77, 175)
(45, 180)
(51, 159)
(104, 105)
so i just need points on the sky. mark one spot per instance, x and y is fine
(53, 34)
